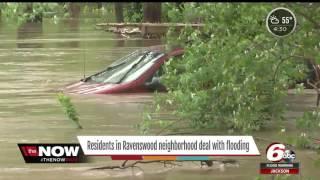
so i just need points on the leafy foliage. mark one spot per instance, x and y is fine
(69, 109)
(27, 12)
(234, 74)
(181, 12)
(133, 12)
(302, 141)
(309, 121)
(35, 12)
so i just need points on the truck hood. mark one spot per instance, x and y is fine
(87, 88)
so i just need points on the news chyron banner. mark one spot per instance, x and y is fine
(167, 147)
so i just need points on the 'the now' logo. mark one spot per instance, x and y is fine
(52, 153)
(58, 151)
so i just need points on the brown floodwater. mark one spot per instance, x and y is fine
(36, 60)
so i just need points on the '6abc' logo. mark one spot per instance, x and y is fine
(277, 152)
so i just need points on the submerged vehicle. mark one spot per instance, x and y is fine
(140, 72)
(135, 73)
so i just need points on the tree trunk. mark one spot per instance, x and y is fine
(72, 23)
(74, 10)
(29, 10)
(152, 12)
(118, 7)
(137, 7)
(99, 5)
(180, 6)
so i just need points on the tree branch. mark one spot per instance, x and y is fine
(124, 165)
(209, 163)
(309, 18)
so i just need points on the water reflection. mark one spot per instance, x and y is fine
(120, 43)
(29, 30)
(73, 25)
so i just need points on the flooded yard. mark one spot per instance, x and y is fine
(37, 60)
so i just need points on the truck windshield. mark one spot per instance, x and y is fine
(121, 68)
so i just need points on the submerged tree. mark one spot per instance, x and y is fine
(152, 12)
(74, 10)
(118, 12)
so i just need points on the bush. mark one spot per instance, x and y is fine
(234, 73)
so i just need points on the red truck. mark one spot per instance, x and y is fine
(135, 73)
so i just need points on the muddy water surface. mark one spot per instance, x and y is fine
(36, 60)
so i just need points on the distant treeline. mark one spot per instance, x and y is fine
(110, 12)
